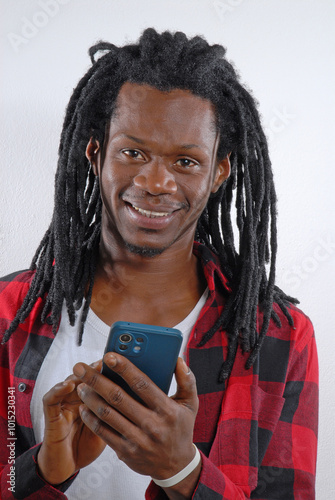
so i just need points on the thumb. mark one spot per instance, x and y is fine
(186, 386)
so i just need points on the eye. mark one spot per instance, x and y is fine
(185, 163)
(133, 153)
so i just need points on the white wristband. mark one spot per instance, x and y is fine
(171, 481)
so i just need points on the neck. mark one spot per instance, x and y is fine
(157, 290)
(173, 268)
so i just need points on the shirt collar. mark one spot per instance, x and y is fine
(211, 268)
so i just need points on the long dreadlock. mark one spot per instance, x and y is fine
(66, 257)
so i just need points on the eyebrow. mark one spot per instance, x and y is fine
(132, 138)
(189, 146)
(140, 141)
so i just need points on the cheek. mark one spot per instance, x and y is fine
(197, 193)
(110, 182)
(107, 186)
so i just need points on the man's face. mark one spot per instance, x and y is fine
(157, 168)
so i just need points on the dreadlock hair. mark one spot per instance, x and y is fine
(66, 257)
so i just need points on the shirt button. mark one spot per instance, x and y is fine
(22, 387)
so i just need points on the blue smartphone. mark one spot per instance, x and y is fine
(153, 349)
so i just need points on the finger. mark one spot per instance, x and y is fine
(97, 365)
(111, 393)
(139, 382)
(186, 386)
(52, 399)
(105, 412)
(110, 436)
(150, 394)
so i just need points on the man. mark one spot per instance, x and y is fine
(157, 137)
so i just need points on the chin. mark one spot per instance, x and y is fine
(144, 251)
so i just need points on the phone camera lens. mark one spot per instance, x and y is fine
(140, 339)
(123, 347)
(125, 338)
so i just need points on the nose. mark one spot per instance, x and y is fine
(155, 178)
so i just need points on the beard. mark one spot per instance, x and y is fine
(144, 251)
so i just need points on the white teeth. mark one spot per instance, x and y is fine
(149, 213)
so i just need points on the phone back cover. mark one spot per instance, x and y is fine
(159, 358)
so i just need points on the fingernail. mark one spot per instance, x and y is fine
(186, 368)
(95, 364)
(82, 410)
(60, 385)
(110, 359)
(79, 370)
(80, 389)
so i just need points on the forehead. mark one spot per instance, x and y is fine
(177, 114)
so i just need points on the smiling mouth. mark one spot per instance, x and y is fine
(150, 213)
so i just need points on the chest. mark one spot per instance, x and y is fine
(113, 304)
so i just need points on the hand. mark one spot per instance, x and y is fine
(68, 445)
(154, 438)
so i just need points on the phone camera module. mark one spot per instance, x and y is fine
(125, 338)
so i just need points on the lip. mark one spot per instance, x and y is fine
(151, 222)
(159, 207)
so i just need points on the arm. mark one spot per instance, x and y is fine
(48, 469)
(286, 440)
(18, 472)
(155, 439)
(289, 464)
(21, 478)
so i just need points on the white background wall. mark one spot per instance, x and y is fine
(284, 50)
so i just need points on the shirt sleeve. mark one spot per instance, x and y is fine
(289, 464)
(22, 480)
(212, 485)
(19, 476)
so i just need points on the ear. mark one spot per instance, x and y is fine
(222, 173)
(93, 153)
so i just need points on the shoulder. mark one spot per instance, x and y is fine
(14, 282)
(288, 351)
(13, 289)
(299, 334)
(18, 276)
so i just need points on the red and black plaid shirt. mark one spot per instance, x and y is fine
(257, 433)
